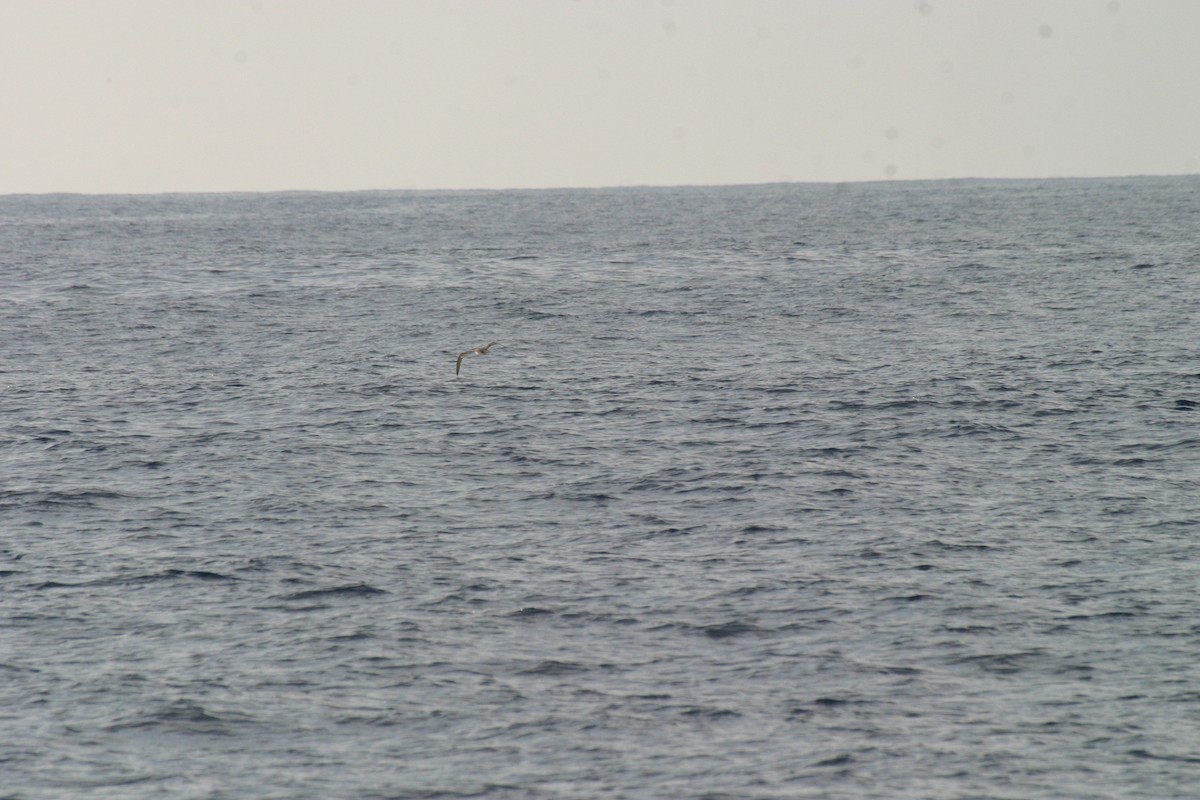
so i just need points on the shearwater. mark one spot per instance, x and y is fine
(478, 351)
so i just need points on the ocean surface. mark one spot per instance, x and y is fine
(792, 491)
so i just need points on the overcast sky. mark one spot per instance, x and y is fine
(221, 95)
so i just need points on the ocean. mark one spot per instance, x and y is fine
(882, 490)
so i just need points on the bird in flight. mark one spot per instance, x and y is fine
(478, 351)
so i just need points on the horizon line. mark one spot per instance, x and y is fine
(601, 187)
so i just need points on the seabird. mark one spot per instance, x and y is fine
(478, 351)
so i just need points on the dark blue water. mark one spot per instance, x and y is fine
(865, 491)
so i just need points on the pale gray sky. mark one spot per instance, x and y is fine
(222, 95)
